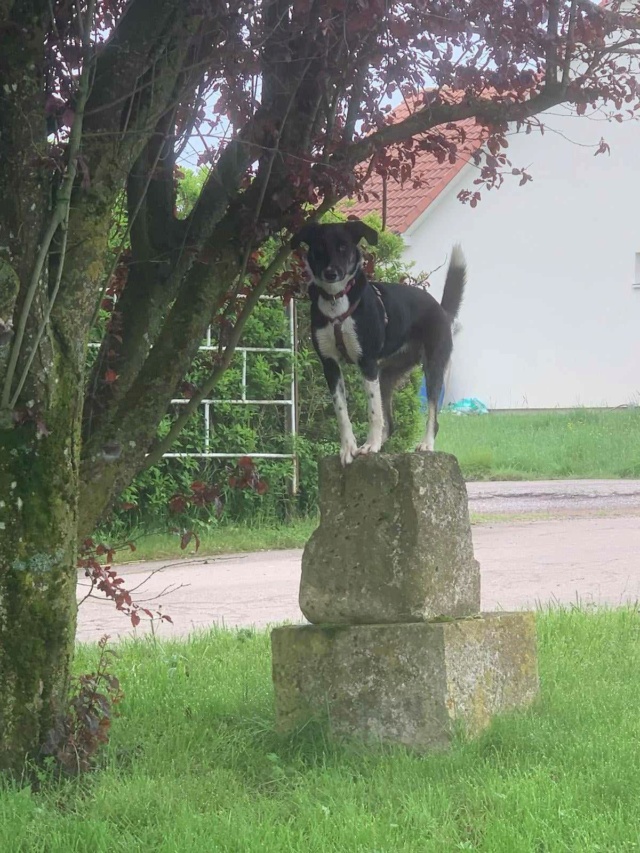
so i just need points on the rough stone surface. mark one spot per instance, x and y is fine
(412, 684)
(394, 542)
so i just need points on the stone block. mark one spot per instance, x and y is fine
(411, 684)
(393, 544)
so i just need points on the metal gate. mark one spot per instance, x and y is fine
(290, 402)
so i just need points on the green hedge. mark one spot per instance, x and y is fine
(250, 429)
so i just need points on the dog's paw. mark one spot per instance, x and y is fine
(369, 447)
(425, 447)
(348, 452)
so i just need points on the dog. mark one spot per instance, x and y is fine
(386, 329)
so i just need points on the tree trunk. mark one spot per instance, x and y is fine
(139, 77)
(38, 521)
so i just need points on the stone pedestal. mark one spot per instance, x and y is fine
(394, 542)
(399, 651)
(410, 683)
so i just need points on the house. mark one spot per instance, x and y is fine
(551, 317)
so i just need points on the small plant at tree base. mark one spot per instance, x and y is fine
(78, 735)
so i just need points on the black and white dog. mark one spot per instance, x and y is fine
(386, 329)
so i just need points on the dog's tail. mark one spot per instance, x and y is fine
(454, 284)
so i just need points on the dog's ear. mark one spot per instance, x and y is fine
(359, 229)
(304, 235)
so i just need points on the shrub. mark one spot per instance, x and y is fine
(248, 429)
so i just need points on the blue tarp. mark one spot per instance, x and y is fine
(467, 406)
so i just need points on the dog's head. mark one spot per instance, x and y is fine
(333, 255)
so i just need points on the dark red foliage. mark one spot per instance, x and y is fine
(360, 54)
(314, 82)
(178, 503)
(186, 538)
(201, 495)
(84, 728)
(188, 389)
(105, 579)
(245, 475)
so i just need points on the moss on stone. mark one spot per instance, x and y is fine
(414, 683)
(394, 542)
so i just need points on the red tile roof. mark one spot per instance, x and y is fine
(405, 202)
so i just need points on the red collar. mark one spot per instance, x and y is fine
(333, 297)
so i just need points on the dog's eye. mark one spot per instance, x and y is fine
(342, 248)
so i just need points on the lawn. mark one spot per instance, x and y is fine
(584, 443)
(194, 764)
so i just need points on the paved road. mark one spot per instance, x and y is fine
(555, 497)
(592, 559)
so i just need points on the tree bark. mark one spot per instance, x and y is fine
(38, 517)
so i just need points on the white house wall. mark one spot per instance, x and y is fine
(550, 317)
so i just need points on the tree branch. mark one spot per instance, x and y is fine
(224, 180)
(355, 100)
(551, 70)
(162, 446)
(568, 50)
(127, 56)
(616, 20)
(484, 110)
(59, 218)
(132, 218)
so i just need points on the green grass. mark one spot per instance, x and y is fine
(584, 443)
(194, 765)
(222, 539)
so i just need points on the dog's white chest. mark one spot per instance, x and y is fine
(328, 347)
(326, 337)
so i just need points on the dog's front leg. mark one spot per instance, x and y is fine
(374, 407)
(333, 375)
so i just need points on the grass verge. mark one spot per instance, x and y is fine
(236, 540)
(584, 443)
(222, 539)
(194, 764)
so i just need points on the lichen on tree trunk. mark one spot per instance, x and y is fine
(38, 521)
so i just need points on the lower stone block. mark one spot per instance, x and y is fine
(409, 683)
